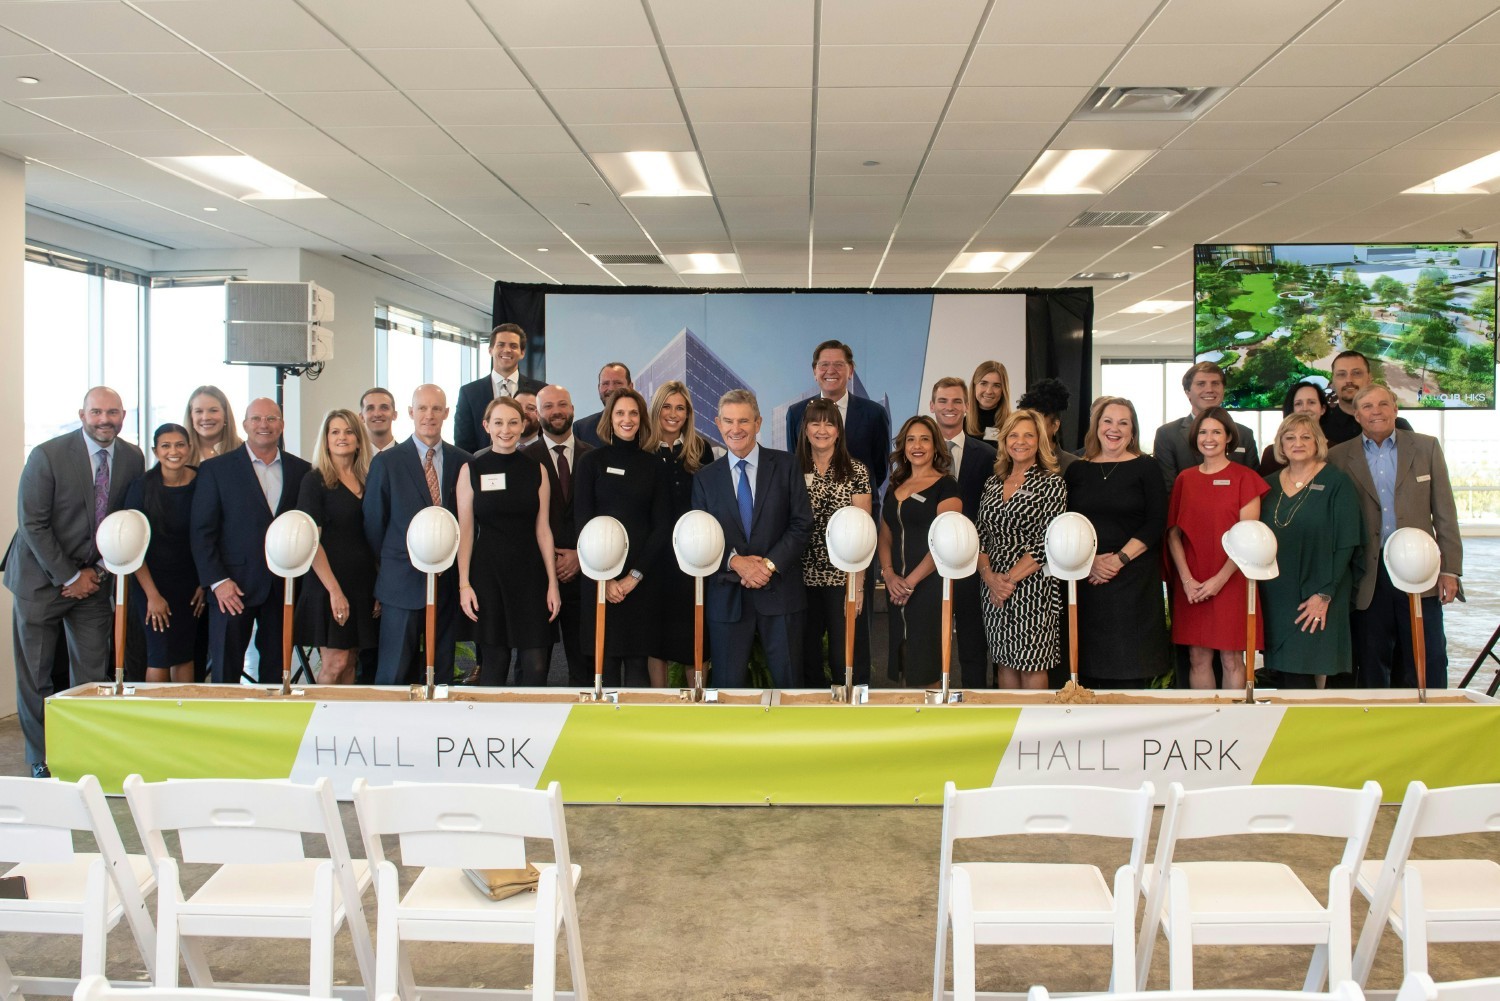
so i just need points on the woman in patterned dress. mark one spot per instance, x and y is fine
(835, 480)
(1021, 603)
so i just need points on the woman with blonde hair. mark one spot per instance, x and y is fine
(210, 424)
(337, 608)
(989, 400)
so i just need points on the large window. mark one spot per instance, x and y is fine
(187, 351)
(412, 349)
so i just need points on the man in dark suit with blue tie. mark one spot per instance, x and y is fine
(418, 472)
(759, 497)
(974, 464)
(507, 348)
(238, 495)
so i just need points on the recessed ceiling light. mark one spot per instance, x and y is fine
(871, 163)
(1100, 276)
(654, 174)
(1158, 246)
(846, 248)
(541, 250)
(27, 79)
(583, 204)
(1270, 184)
(703, 264)
(1476, 177)
(209, 208)
(1079, 171)
(240, 177)
(1158, 306)
(988, 261)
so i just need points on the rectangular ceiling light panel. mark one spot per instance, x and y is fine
(1080, 171)
(654, 174)
(240, 177)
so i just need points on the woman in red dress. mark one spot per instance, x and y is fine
(1208, 590)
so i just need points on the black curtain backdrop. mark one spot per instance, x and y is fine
(1059, 330)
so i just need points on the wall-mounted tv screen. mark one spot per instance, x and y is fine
(1273, 314)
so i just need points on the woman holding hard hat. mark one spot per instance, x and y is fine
(920, 489)
(1021, 604)
(625, 479)
(1313, 511)
(507, 567)
(835, 480)
(165, 594)
(1120, 491)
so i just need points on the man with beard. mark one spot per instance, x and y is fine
(53, 568)
(533, 418)
(615, 375)
(558, 450)
(1351, 373)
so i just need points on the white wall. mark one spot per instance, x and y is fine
(12, 403)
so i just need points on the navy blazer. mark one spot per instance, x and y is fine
(395, 490)
(779, 530)
(468, 419)
(230, 519)
(974, 471)
(867, 435)
(559, 512)
(586, 430)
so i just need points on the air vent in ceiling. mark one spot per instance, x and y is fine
(1149, 103)
(628, 259)
(1119, 220)
(1100, 276)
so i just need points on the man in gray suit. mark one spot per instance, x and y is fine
(1402, 481)
(1204, 386)
(53, 567)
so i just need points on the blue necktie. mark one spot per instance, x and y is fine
(747, 503)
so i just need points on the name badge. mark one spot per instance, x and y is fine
(611, 470)
(1223, 483)
(492, 481)
(1239, 448)
(1315, 486)
(1424, 477)
(918, 498)
(808, 477)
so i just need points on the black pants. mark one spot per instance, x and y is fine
(229, 638)
(625, 672)
(569, 626)
(972, 665)
(825, 616)
(1286, 679)
(1382, 639)
(531, 666)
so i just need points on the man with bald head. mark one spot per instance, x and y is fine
(558, 450)
(53, 567)
(419, 472)
(238, 495)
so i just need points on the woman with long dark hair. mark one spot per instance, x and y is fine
(165, 594)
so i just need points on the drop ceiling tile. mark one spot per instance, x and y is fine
(46, 145)
(12, 44)
(1015, 104)
(1414, 104)
(1024, 21)
(307, 70)
(889, 65)
(873, 135)
(976, 135)
(1308, 65)
(1286, 185)
(730, 163)
(356, 110)
(481, 140)
(863, 184)
(1197, 65)
(1117, 135)
(1280, 104)
(566, 22)
(1486, 31)
(1382, 20)
(880, 104)
(432, 23)
(484, 107)
(231, 25)
(766, 22)
(524, 165)
(1478, 136)
(1237, 135)
(764, 184)
(1193, 161)
(1468, 64)
(608, 107)
(753, 136)
(623, 138)
(1298, 161)
(241, 111)
(1425, 163)
(167, 73)
(341, 174)
(427, 140)
(748, 104)
(978, 161)
(884, 22)
(166, 142)
(741, 65)
(58, 77)
(574, 66)
(91, 114)
(1054, 65)
(1157, 191)
(990, 186)
(265, 143)
(93, 26)
(578, 188)
(1192, 21)
(462, 69)
(1355, 135)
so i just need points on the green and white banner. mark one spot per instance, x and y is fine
(751, 754)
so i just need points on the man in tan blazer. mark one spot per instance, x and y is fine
(1403, 483)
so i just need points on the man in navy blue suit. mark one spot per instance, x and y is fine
(507, 348)
(418, 472)
(238, 495)
(759, 497)
(615, 375)
(973, 465)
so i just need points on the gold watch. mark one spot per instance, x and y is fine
(769, 565)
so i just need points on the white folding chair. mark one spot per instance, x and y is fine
(99, 989)
(69, 892)
(446, 829)
(1038, 903)
(1432, 900)
(265, 885)
(1418, 986)
(1249, 902)
(1347, 991)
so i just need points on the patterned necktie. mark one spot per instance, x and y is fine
(953, 449)
(564, 473)
(747, 503)
(432, 480)
(101, 488)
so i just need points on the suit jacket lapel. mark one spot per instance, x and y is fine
(1359, 471)
(414, 467)
(1406, 449)
(762, 483)
(85, 467)
(245, 470)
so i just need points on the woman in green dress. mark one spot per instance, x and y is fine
(1314, 513)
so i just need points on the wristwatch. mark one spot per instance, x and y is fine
(769, 565)
(636, 575)
(1122, 556)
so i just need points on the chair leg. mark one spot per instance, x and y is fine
(95, 920)
(408, 981)
(573, 936)
(8, 989)
(1414, 913)
(168, 936)
(1122, 965)
(387, 931)
(544, 938)
(1180, 932)
(939, 955)
(320, 938)
(197, 964)
(963, 937)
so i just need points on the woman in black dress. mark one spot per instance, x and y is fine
(920, 489)
(683, 451)
(1121, 492)
(507, 567)
(165, 595)
(336, 610)
(624, 478)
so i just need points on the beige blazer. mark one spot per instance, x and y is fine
(1424, 499)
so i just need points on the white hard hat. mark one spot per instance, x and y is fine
(954, 544)
(123, 539)
(850, 539)
(291, 544)
(1252, 546)
(602, 547)
(1071, 546)
(432, 539)
(698, 541)
(1412, 559)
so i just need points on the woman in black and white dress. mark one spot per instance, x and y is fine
(1021, 603)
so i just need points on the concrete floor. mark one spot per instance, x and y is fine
(818, 903)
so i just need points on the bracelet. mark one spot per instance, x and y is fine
(463, 586)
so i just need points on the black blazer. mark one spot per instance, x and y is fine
(974, 471)
(867, 434)
(779, 530)
(560, 512)
(473, 397)
(586, 429)
(395, 491)
(230, 518)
